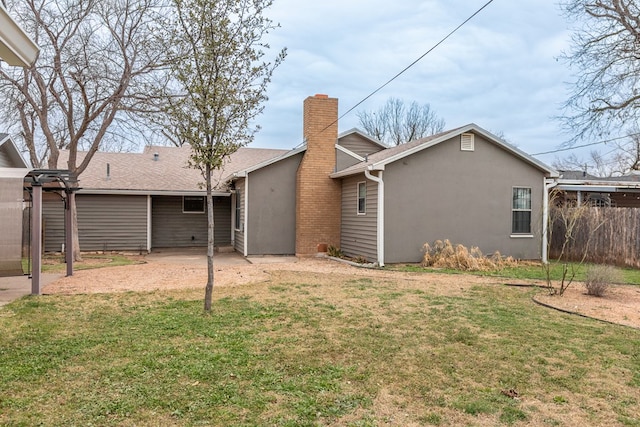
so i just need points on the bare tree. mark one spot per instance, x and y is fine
(100, 71)
(622, 159)
(396, 123)
(221, 81)
(565, 222)
(605, 56)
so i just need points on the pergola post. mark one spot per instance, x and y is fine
(68, 228)
(36, 237)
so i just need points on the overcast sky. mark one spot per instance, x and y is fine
(500, 70)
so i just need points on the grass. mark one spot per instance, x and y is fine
(310, 349)
(56, 263)
(528, 271)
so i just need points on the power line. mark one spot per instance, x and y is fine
(585, 145)
(413, 63)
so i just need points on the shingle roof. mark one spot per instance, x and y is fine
(392, 154)
(141, 172)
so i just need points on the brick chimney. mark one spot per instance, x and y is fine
(318, 197)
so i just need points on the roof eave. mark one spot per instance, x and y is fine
(16, 47)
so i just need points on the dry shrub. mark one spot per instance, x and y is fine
(442, 254)
(599, 278)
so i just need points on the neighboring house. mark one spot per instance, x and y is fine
(13, 169)
(347, 190)
(618, 191)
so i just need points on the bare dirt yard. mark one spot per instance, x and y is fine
(620, 305)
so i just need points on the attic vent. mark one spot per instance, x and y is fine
(466, 142)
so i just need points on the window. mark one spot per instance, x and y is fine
(362, 198)
(521, 211)
(238, 205)
(193, 204)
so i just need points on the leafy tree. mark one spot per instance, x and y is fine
(604, 54)
(396, 123)
(98, 74)
(221, 83)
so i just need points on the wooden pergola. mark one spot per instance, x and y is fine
(36, 182)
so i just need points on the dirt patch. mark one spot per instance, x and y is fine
(621, 305)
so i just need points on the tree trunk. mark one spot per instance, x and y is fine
(210, 226)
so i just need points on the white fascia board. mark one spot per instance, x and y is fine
(470, 127)
(16, 48)
(513, 149)
(243, 173)
(14, 172)
(13, 147)
(598, 188)
(150, 192)
(349, 152)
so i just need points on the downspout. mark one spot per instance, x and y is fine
(149, 225)
(380, 225)
(246, 213)
(548, 185)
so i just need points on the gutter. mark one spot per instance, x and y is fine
(380, 219)
(16, 48)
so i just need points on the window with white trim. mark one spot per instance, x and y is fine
(362, 198)
(521, 211)
(192, 204)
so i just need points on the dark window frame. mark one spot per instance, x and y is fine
(193, 204)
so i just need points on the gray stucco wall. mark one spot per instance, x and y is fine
(359, 145)
(173, 228)
(105, 222)
(272, 208)
(343, 160)
(466, 197)
(358, 234)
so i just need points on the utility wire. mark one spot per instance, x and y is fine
(412, 64)
(585, 145)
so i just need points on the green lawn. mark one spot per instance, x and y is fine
(309, 349)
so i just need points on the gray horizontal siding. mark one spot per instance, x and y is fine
(171, 228)
(358, 234)
(105, 222)
(5, 161)
(238, 242)
(359, 145)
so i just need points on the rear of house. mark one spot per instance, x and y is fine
(464, 185)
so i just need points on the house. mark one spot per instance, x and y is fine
(13, 168)
(616, 191)
(347, 190)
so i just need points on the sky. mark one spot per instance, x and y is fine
(500, 71)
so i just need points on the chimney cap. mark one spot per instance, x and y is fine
(321, 95)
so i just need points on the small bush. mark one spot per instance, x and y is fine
(360, 260)
(598, 279)
(445, 255)
(335, 252)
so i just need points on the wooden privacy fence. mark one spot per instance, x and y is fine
(611, 236)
